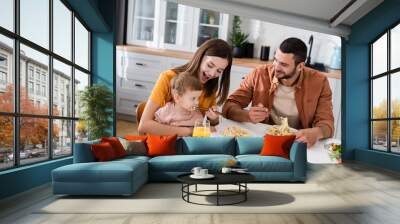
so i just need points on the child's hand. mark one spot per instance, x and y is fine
(213, 114)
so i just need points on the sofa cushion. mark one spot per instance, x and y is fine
(257, 163)
(103, 151)
(112, 171)
(249, 145)
(134, 147)
(185, 163)
(277, 145)
(161, 145)
(206, 145)
(136, 137)
(116, 145)
(130, 158)
(83, 152)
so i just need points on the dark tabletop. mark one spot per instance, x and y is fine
(220, 178)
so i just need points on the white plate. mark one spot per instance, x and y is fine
(208, 176)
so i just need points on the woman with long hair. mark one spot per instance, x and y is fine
(211, 65)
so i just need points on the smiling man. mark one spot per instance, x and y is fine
(286, 88)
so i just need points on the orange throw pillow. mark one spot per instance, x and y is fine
(161, 145)
(277, 145)
(116, 145)
(103, 151)
(135, 137)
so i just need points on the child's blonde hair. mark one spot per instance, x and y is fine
(185, 81)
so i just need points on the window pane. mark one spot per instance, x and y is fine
(379, 55)
(379, 98)
(62, 29)
(7, 14)
(144, 8)
(395, 95)
(395, 138)
(379, 135)
(81, 132)
(35, 21)
(209, 17)
(6, 74)
(34, 85)
(62, 89)
(395, 47)
(33, 139)
(144, 29)
(6, 142)
(62, 141)
(206, 33)
(81, 81)
(172, 10)
(81, 45)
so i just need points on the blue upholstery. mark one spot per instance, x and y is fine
(172, 166)
(298, 155)
(249, 145)
(119, 177)
(259, 163)
(125, 176)
(83, 152)
(194, 146)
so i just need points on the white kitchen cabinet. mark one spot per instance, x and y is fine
(166, 24)
(143, 19)
(176, 22)
(136, 76)
(210, 24)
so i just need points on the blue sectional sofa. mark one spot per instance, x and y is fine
(125, 176)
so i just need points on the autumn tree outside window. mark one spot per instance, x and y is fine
(385, 94)
(44, 64)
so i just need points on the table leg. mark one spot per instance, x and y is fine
(217, 194)
(245, 191)
(188, 192)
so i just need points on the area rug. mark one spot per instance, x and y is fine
(167, 198)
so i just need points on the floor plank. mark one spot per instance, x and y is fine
(376, 189)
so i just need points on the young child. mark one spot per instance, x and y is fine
(186, 90)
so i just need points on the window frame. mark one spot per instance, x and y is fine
(15, 68)
(388, 74)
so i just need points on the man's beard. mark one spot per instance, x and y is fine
(286, 76)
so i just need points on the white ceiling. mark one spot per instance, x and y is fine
(316, 15)
(320, 9)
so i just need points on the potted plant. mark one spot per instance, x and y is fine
(335, 152)
(237, 38)
(96, 102)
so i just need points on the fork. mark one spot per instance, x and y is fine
(204, 109)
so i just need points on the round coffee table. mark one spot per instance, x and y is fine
(238, 179)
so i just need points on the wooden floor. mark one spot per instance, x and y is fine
(379, 189)
(125, 127)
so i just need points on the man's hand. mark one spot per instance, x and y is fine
(258, 113)
(309, 135)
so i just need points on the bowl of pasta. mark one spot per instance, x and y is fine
(235, 131)
(278, 140)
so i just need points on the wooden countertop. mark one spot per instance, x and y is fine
(246, 62)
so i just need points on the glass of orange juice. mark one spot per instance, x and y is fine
(201, 128)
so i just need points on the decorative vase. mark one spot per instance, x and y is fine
(238, 52)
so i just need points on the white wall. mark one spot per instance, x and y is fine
(264, 33)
